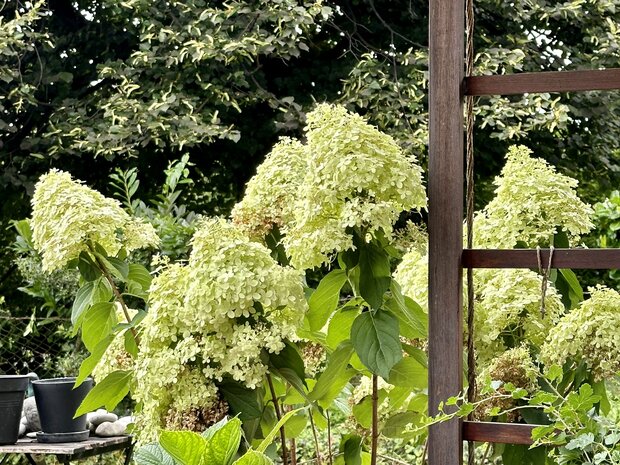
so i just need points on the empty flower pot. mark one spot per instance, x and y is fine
(57, 403)
(12, 391)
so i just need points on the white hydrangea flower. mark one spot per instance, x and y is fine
(67, 216)
(357, 176)
(508, 306)
(532, 201)
(589, 332)
(412, 275)
(270, 194)
(211, 319)
(347, 174)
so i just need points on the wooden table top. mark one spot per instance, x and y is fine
(93, 444)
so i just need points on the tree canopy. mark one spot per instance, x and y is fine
(90, 84)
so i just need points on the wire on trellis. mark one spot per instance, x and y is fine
(469, 141)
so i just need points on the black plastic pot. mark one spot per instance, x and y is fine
(12, 391)
(57, 402)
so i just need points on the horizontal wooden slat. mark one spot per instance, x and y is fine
(504, 433)
(550, 81)
(592, 259)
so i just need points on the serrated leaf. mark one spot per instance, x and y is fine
(224, 444)
(107, 393)
(152, 454)
(375, 274)
(253, 457)
(324, 300)
(408, 372)
(140, 275)
(186, 447)
(89, 364)
(242, 400)
(375, 338)
(580, 442)
(352, 450)
(88, 269)
(334, 377)
(289, 357)
(276, 429)
(362, 411)
(339, 328)
(82, 301)
(97, 323)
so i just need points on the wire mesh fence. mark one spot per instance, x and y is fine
(40, 345)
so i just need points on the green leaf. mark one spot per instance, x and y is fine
(395, 425)
(340, 326)
(600, 390)
(224, 444)
(575, 291)
(335, 376)
(102, 291)
(186, 447)
(362, 411)
(295, 425)
(580, 442)
(242, 400)
(111, 264)
(97, 323)
(324, 300)
(152, 454)
(376, 341)
(253, 457)
(375, 274)
(289, 357)
(408, 372)
(89, 364)
(107, 393)
(412, 319)
(211, 430)
(138, 274)
(82, 301)
(88, 268)
(352, 450)
(130, 344)
(276, 429)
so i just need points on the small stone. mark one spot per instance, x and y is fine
(24, 421)
(101, 416)
(126, 420)
(32, 414)
(109, 429)
(22, 430)
(32, 435)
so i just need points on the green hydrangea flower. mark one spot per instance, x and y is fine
(347, 174)
(357, 176)
(67, 216)
(591, 333)
(212, 318)
(508, 308)
(270, 194)
(532, 202)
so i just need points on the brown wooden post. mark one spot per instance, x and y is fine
(446, 42)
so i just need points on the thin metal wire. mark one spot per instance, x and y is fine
(545, 277)
(469, 112)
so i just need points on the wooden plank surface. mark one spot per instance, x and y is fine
(528, 258)
(31, 446)
(551, 81)
(445, 186)
(504, 433)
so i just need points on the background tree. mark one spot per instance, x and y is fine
(89, 85)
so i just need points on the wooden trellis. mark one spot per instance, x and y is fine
(447, 258)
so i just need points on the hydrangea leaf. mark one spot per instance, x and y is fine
(186, 447)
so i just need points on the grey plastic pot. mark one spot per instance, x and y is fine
(57, 403)
(12, 392)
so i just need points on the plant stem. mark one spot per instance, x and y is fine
(276, 407)
(374, 438)
(317, 450)
(329, 438)
(118, 295)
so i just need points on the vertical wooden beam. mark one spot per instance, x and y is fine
(446, 48)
